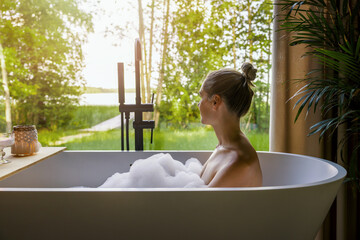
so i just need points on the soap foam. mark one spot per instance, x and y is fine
(158, 171)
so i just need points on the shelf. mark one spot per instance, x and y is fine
(18, 164)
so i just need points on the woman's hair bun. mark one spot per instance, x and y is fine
(249, 71)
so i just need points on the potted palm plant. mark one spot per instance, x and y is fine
(331, 31)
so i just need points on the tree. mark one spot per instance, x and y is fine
(5, 23)
(6, 90)
(252, 42)
(196, 48)
(149, 71)
(165, 43)
(207, 36)
(195, 38)
(146, 63)
(143, 63)
(42, 44)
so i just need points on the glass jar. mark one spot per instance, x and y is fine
(26, 140)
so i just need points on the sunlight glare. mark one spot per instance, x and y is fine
(103, 53)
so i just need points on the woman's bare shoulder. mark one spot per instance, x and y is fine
(241, 170)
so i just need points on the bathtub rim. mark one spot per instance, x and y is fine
(339, 176)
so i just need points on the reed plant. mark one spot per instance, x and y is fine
(88, 116)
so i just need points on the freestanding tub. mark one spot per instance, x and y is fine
(37, 203)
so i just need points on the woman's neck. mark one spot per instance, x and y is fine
(228, 132)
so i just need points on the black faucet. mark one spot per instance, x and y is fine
(138, 108)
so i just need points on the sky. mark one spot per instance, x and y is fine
(101, 56)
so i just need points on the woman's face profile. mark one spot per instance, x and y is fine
(204, 107)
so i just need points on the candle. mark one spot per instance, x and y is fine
(26, 140)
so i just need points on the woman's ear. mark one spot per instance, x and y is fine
(216, 101)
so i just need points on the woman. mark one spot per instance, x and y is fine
(226, 97)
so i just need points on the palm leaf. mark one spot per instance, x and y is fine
(347, 63)
(331, 31)
(357, 50)
(304, 100)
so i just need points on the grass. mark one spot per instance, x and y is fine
(196, 137)
(164, 139)
(49, 137)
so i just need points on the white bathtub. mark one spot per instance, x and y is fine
(37, 203)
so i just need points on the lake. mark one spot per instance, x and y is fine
(105, 99)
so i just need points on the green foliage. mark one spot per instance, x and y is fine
(204, 38)
(331, 30)
(2, 118)
(42, 44)
(253, 31)
(195, 50)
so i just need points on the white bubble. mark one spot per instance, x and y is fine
(158, 171)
